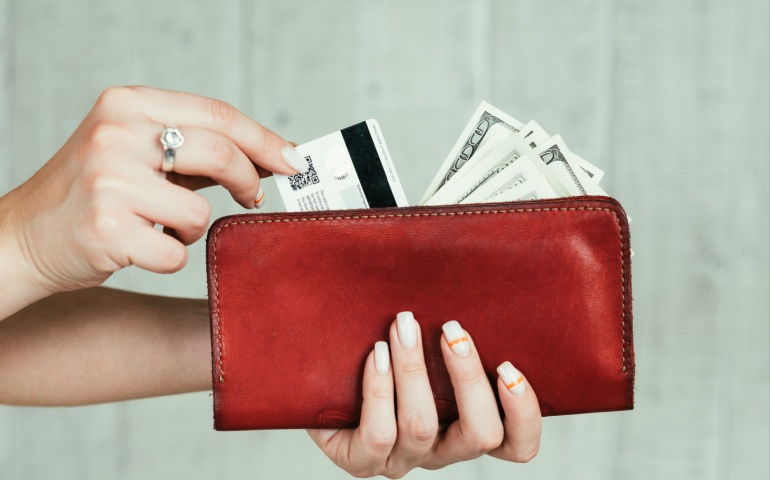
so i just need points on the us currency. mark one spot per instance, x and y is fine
(482, 168)
(521, 171)
(472, 137)
(535, 189)
(535, 134)
(560, 161)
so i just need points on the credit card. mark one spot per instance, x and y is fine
(350, 168)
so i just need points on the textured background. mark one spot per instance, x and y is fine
(670, 98)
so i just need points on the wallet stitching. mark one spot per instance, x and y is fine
(218, 329)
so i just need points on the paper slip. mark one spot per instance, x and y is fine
(350, 168)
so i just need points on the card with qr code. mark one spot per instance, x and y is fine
(350, 168)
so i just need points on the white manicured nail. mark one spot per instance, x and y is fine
(457, 338)
(259, 202)
(381, 357)
(407, 329)
(513, 379)
(292, 158)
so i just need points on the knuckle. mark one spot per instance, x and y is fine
(222, 113)
(115, 96)
(412, 370)
(489, 439)
(267, 139)
(103, 226)
(363, 473)
(397, 474)
(472, 377)
(380, 439)
(381, 393)
(98, 185)
(525, 457)
(222, 154)
(200, 214)
(175, 258)
(103, 136)
(423, 430)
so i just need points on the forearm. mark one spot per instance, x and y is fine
(18, 282)
(101, 345)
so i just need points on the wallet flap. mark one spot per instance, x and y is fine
(297, 301)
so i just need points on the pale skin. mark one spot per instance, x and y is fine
(90, 212)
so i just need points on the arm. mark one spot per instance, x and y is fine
(19, 284)
(92, 208)
(102, 345)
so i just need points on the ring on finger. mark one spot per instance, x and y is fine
(171, 139)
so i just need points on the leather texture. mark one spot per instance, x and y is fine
(297, 301)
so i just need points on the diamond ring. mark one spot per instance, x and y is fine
(171, 138)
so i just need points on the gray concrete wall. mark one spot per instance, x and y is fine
(669, 97)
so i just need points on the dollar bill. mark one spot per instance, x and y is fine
(522, 170)
(595, 173)
(499, 159)
(484, 168)
(484, 118)
(535, 189)
(535, 134)
(562, 164)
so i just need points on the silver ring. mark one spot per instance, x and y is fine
(171, 138)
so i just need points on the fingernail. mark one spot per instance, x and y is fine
(513, 379)
(292, 158)
(407, 329)
(259, 202)
(293, 144)
(457, 338)
(381, 357)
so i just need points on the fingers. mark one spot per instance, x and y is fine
(523, 421)
(164, 203)
(209, 154)
(391, 445)
(152, 250)
(261, 146)
(417, 417)
(373, 440)
(479, 428)
(364, 452)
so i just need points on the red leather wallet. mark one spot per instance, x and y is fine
(297, 301)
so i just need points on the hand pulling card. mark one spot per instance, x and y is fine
(350, 168)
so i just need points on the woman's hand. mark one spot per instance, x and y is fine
(91, 209)
(390, 445)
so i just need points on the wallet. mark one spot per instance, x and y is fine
(298, 300)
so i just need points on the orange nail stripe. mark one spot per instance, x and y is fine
(260, 198)
(459, 340)
(516, 382)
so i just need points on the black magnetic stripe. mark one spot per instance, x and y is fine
(368, 166)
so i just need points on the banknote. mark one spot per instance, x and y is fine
(561, 163)
(595, 173)
(535, 134)
(535, 189)
(481, 123)
(482, 168)
(522, 170)
(499, 159)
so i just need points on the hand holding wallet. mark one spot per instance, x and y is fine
(298, 299)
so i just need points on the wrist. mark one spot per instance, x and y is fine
(20, 280)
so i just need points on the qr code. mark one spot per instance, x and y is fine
(302, 180)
